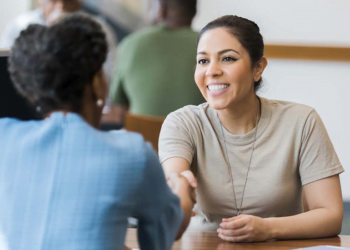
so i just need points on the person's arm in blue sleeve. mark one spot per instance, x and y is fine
(163, 215)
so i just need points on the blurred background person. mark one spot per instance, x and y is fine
(49, 11)
(126, 16)
(154, 72)
(64, 184)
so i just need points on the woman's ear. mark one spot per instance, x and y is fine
(99, 86)
(259, 68)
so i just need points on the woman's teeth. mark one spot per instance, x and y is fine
(217, 87)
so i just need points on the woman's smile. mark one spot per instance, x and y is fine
(216, 89)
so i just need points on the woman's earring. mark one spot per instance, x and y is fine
(99, 103)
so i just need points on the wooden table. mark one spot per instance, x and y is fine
(208, 240)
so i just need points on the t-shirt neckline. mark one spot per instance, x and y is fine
(248, 138)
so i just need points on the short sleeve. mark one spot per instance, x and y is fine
(158, 209)
(175, 139)
(116, 91)
(318, 158)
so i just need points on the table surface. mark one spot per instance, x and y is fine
(208, 240)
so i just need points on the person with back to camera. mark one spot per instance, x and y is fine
(266, 169)
(63, 183)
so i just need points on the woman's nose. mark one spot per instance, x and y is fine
(213, 70)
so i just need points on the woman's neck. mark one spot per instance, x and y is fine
(242, 117)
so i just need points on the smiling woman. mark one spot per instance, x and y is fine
(253, 158)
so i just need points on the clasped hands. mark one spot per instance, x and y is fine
(244, 228)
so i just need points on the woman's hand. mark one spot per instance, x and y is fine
(190, 177)
(191, 180)
(181, 187)
(244, 228)
(193, 183)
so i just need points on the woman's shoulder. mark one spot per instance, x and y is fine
(126, 140)
(191, 112)
(7, 124)
(291, 109)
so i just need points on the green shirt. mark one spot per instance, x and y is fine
(155, 71)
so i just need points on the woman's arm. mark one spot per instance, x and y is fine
(162, 212)
(175, 164)
(324, 218)
(180, 186)
(181, 166)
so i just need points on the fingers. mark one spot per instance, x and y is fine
(193, 183)
(183, 181)
(245, 228)
(234, 224)
(190, 177)
(176, 182)
(234, 229)
(232, 232)
(243, 238)
(237, 233)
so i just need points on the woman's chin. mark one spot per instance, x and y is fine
(218, 105)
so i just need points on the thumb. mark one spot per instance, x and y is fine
(190, 178)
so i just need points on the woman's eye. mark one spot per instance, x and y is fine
(227, 59)
(202, 61)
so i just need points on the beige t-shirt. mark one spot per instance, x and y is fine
(292, 149)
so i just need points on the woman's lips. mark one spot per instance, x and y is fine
(217, 89)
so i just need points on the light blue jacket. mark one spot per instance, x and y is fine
(65, 185)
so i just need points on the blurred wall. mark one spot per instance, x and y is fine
(10, 9)
(324, 85)
(315, 22)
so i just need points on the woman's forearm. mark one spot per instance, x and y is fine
(176, 164)
(181, 187)
(186, 206)
(317, 223)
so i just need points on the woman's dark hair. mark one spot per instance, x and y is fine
(51, 66)
(246, 32)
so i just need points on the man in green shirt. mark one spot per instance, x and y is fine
(155, 66)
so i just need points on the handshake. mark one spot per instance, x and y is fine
(183, 185)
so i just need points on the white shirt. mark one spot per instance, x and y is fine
(14, 28)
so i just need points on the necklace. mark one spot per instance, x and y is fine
(239, 210)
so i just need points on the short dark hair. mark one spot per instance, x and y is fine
(187, 7)
(247, 33)
(51, 66)
(69, 5)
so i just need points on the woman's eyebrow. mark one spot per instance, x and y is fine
(201, 53)
(220, 52)
(227, 50)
